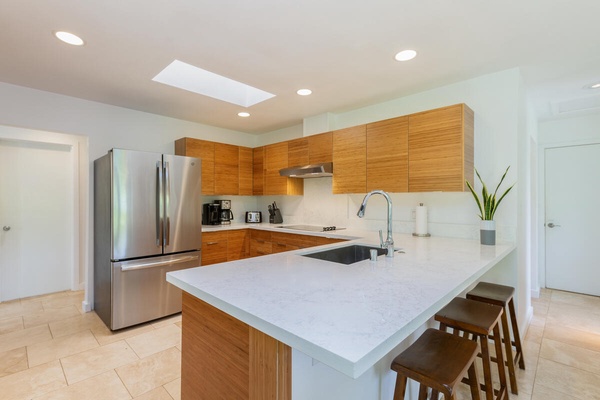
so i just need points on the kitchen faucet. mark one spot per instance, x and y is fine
(389, 242)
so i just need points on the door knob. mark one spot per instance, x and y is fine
(6, 228)
(552, 225)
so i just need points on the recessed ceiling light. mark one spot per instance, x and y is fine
(304, 92)
(188, 77)
(592, 86)
(405, 55)
(243, 114)
(69, 38)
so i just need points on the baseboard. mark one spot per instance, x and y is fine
(87, 307)
(535, 292)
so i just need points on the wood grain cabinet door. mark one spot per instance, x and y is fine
(350, 160)
(387, 155)
(238, 244)
(258, 171)
(204, 150)
(440, 146)
(298, 152)
(245, 171)
(227, 159)
(214, 247)
(320, 148)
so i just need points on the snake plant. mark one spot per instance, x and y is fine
(488, 204)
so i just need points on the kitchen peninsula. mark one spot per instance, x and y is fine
(252, 327)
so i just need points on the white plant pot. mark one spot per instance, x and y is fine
(487, 233)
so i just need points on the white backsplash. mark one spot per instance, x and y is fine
(449, 214)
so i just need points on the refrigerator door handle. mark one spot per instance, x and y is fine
(159, 204)
(167, 204)
(145, 265)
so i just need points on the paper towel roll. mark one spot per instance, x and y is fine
(421, 220)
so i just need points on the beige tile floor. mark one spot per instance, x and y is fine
(50, 349)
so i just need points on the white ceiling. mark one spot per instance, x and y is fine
(341, 49)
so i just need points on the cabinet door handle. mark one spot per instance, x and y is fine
(211, 243)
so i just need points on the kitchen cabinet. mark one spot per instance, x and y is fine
(298, 152)
(238, 244)
(320, 240)
(227, 159)
(320, 148)
(258, 171)
(204, 150)
(387, 155)
(260, 243)
(245, 171)
(214, 247)
(276, 158)
(350, 160)
(440, 149)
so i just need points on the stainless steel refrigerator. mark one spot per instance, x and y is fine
(147, 222)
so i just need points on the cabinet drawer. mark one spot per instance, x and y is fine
(214, 247)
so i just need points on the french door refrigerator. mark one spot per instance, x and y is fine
(147, 222)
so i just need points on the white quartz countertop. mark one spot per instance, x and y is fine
(346, 316)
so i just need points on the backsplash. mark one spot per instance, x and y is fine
(449, 214)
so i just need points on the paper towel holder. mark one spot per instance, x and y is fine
(422, 234)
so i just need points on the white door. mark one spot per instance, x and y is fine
(572, 181)
(36, 218)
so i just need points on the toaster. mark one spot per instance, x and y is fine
(253, 216)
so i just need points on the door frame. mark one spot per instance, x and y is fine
(80, 173)
(541, 209)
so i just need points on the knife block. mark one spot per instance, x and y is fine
(275, 217)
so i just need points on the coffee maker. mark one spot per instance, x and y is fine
(211, 214)
(226, 215)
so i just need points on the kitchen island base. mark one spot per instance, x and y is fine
(224, 358)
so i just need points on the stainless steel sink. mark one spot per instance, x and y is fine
(346, 255)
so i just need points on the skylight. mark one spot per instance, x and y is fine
(188, 77)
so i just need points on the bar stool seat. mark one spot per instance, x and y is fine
(502, 296)
(480, 320)
(437, 360)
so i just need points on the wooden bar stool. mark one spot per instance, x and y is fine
(502, 296)
(480, 320)
(437, 360)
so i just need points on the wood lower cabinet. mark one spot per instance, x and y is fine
(238, 244)
(387, 155)
(440, 144)
(224, 358)
(260, 243)
(214, 247)
(350, 160)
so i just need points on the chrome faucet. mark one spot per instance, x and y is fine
(389, 242)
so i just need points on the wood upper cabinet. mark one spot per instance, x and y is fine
(258, 171)
(227, 159)
(350, 160)
(298, 152)
(320, 148)
(204, 150)
(441, 149)
(245, 171)
(276, 158)
(387, 155)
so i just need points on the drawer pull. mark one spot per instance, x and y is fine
(211, 243)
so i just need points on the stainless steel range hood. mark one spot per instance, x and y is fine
(308, 171)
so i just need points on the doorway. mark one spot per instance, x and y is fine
(572, 189)
(43, 221)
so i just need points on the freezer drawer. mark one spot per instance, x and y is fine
(140, 291)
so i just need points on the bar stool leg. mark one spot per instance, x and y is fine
(400, 389)
(500, 362)
(422, 392)
(515, 327)
(509, 355)
(487, 373)
(473, 383)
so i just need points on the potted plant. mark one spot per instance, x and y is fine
(488, 204)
